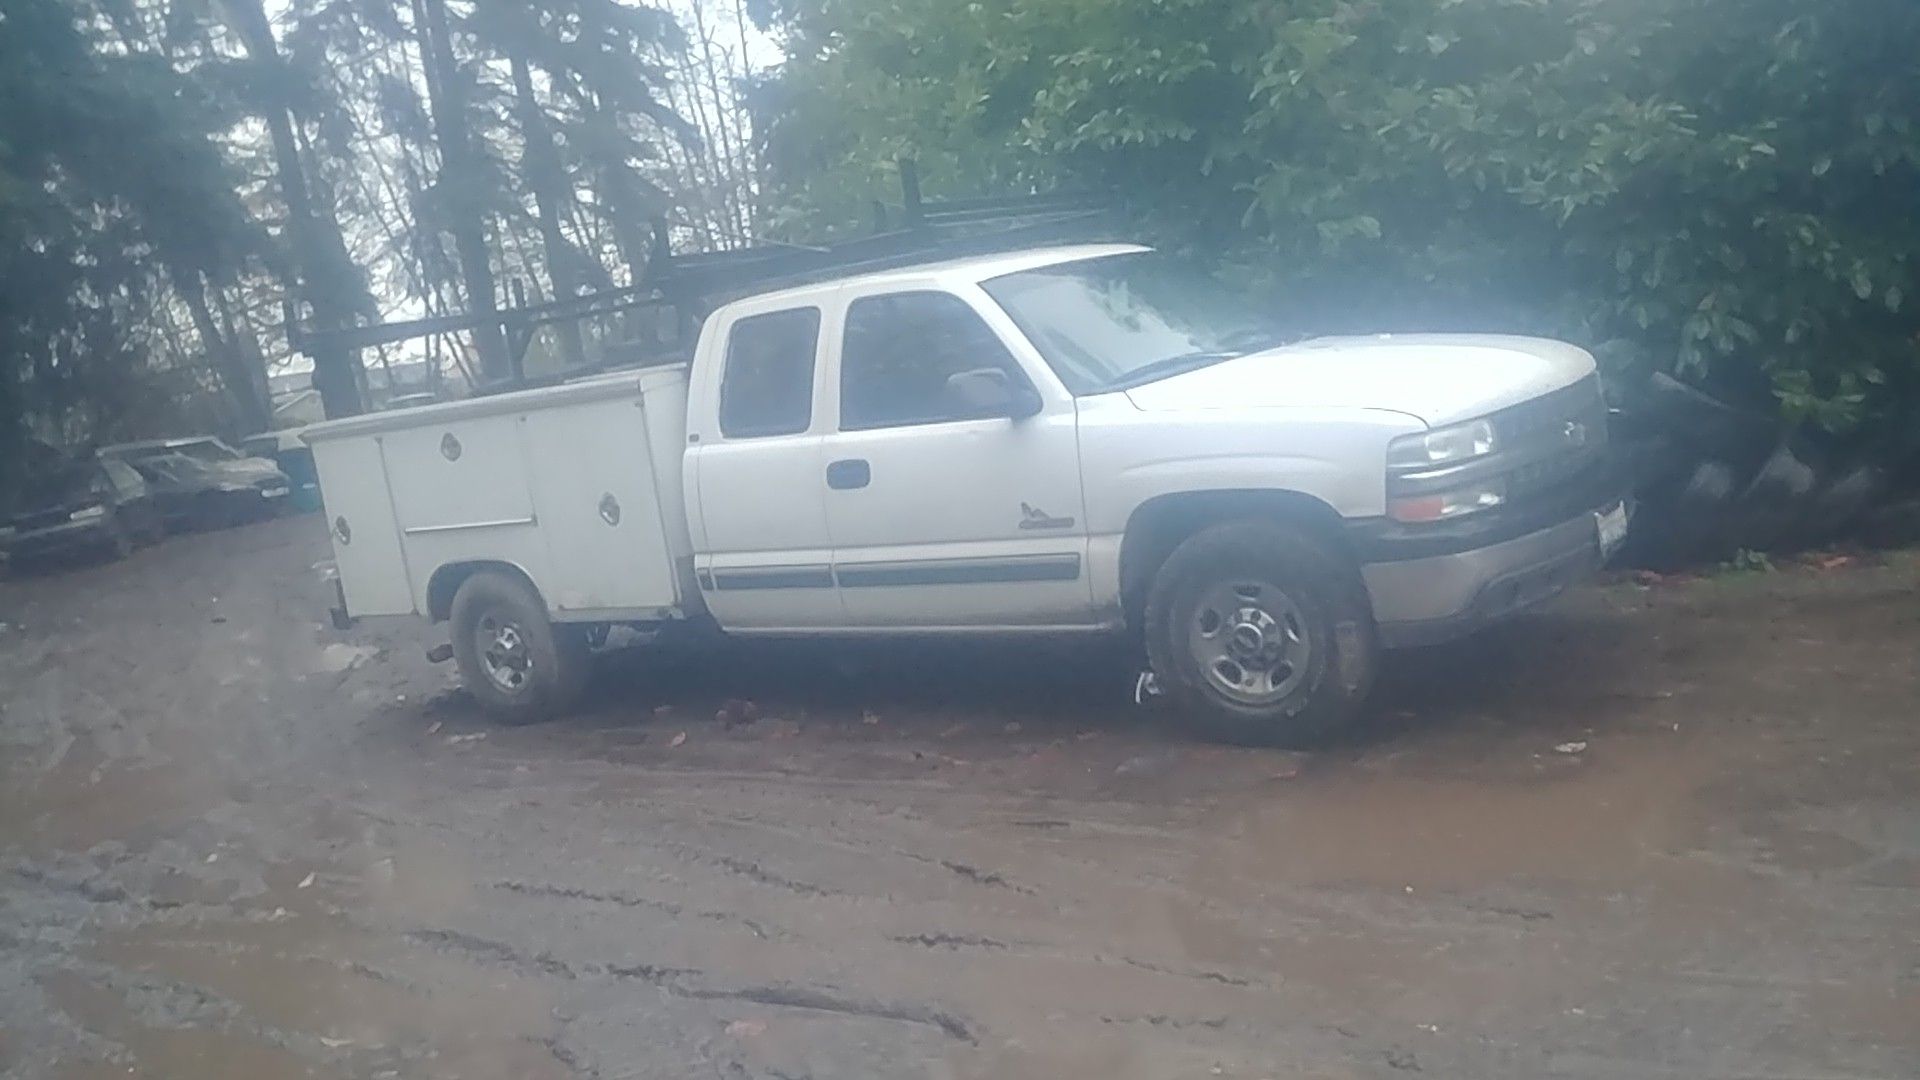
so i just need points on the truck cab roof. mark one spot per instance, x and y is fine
(146, 445)
(947, 272)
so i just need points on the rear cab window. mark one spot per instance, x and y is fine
(766, 385)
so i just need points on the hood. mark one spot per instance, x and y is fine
(1437, 378)
(241, 472)
(205, 475)
(51, 502)
(246, 470)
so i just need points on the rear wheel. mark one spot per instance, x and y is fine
(514, 660)
(1261, 634)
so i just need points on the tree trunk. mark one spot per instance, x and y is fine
(315, 271)
(251, 408)
(548, 181)
(730, 195)
(458, 175)
(245, 340)
(750, 172)
(615, 185)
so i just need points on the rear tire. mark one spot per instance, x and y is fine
(1261, 635)
(513, 660)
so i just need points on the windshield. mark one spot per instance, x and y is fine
(172, 466)
(1122, 320)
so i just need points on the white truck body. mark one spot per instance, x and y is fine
(633, 498)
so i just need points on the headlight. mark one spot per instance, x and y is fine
(1444, 474)
(1442, 446)
(88, 513)
(1446, 505)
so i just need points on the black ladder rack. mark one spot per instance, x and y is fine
(690, 286)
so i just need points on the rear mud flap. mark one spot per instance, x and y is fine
(1349, 655)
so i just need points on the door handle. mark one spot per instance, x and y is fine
(849, 474)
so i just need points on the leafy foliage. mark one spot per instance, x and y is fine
(107, 173)
(174, 173)
(1718, 188)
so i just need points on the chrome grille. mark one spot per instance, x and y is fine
(1553, 440)
(1545, 417)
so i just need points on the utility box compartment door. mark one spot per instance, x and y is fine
(366, 541)
(461, 493)
(458, 474)
(594, 494)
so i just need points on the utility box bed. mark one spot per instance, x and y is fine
(575, 486)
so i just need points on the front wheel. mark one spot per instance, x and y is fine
(513, 660)
(1261, 634)
(120, 542)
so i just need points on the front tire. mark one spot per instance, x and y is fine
(1261, 635)
(120, 542)
(513, 660)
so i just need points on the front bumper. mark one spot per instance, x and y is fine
(1434, 598)
(259, 499)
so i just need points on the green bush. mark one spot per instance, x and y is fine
(1723, 189)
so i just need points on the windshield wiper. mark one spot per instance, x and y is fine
(1168, 367)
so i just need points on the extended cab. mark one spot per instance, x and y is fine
(1057, 440)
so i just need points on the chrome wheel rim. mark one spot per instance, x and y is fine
(1250, 642)
(504, 655)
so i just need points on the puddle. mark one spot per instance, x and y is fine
(86, 796)
(333, 983)
(152, 1051)
(197, 1053)
(1580, 821)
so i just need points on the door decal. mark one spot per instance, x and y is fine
(1032, 517)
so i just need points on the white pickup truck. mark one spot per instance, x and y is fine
(1075, 439)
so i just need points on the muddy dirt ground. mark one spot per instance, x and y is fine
(1667, 832)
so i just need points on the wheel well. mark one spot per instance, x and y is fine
(1161, 523)
(447, 580)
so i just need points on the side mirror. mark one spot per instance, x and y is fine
(991, 392)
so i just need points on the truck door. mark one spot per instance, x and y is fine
(943, 517)
(764, 559)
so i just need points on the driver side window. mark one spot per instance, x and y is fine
(899, 352)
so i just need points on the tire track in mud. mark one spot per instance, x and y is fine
(986, 937)
(799, 997)
(956, 941)
(488, 951)
(909, 832)
(755, 872)
(678, 982)
(947, 941)
(631, 901)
